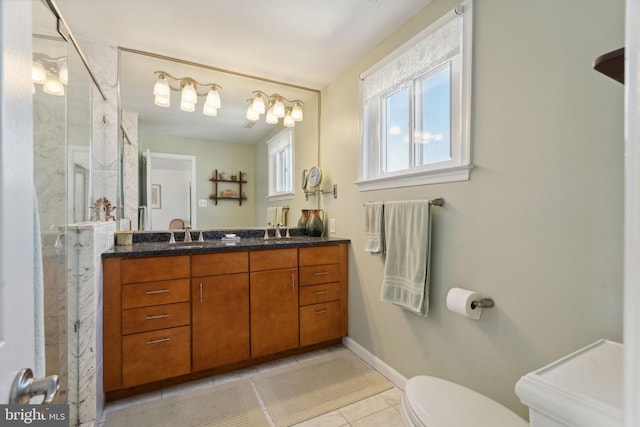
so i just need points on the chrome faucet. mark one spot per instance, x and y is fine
(187, 233)
(278, 235)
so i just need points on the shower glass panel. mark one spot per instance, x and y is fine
(50, 163)
(62, 108)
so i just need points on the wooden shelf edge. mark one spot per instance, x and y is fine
(611, 64)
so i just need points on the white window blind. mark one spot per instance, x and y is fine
(415, 108)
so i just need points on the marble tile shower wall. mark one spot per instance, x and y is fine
(86, 399)
(103, 61)
(130, 165)
(87, 242)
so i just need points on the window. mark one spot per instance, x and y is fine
(280, 152)
(415, 109)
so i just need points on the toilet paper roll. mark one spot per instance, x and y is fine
(459, 301)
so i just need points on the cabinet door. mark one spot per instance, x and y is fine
(220, 322)
(320, 322)
(156, 355)
(274, 311)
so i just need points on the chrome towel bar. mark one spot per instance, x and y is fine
(434, 202)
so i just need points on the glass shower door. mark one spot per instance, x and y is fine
(49, 147)
(62, 108)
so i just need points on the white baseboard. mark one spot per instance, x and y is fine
(391, 374)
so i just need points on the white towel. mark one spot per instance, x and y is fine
(272, 217)
(373, 227)
(407, 231)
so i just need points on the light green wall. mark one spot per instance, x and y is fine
(210, 155)
(539, 225)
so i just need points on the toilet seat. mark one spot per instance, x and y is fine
(435, 402)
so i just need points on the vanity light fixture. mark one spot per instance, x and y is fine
(51, 73)
(276, 106)
(190, 90)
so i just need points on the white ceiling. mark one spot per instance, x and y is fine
(301, 42)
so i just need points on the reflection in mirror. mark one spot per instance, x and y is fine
(227, 143)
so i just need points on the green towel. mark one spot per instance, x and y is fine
(407, 231)
(373, 230)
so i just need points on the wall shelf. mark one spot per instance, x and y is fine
(611, 64)
(219, 194)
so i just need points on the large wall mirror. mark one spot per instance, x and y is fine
(169, 156)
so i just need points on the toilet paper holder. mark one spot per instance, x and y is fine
(483, 303)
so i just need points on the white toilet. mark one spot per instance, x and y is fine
(434, 402)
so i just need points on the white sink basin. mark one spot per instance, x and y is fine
(583, 389)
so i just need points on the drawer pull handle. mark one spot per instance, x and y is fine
(160, 316)
(322, 292)
(200, 291)
(293, 281)
(158, 341)
(321, 273)
(161, 291)
(326, 310)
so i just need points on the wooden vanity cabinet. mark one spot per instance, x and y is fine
(220, 304)
(323, 294)
(182, 315)
(274, 301)
(147, 319)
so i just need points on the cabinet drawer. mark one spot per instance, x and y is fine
(136, 270)
(319, 323)
(320, 255)
(156, 317)
(273, 259)
(319, 293)
(221, 263)
(154, 356)
(155, 293)
(317, 274)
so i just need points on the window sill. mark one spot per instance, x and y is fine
(281, 196)
(440, 176)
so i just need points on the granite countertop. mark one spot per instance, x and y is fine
(216, 245)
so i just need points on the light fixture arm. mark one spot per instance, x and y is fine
(181, 82)
(276, 96)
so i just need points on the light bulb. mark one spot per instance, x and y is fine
(288, 121)
(252, 114)
(209, 110)
(161, 88)
(187, 106)
(64, 74)
(213, 98)
(189, 94)
(278, 109)
(53, 86)
(38, 73)
(271, 117)
(162, 101)
(296, 113)
(258, 104)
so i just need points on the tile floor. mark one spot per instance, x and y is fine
(379, 410)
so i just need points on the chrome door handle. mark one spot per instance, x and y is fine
(25, 387)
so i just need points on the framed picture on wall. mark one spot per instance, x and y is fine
(156, 196)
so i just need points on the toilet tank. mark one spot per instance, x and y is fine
(583, 389)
